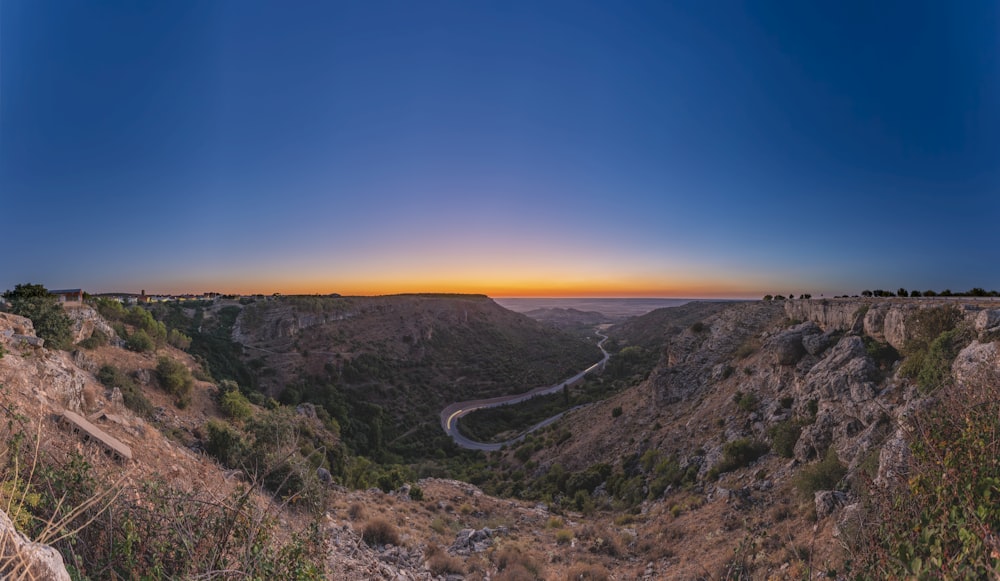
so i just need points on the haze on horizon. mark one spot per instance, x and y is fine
(654, 149)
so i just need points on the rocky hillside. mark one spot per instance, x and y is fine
(769, 441)
(396, 361)
(754, 443)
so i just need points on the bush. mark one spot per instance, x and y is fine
(140, 342)
(178, 340)
(47, 315)
(175, 379)
(564, 536)
(740, 453)
(379, 532)
(935, 342)
(514, 565)
(441, 563)
(132, 395)
(616, 412)
(784, 436)
(416, 493)
(823, 475)
(225, 443)
(97, 339)
(746, 401)
(235, 405)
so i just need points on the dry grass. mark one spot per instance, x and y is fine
(379, 531)
(587, 572)
(441, 563)
(356, 512)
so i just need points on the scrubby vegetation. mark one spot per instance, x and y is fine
(738, 454)
(47, 316)
(822, 475)
(940, 521)
(937, 335)
(132, 395)
(109, 529)
(175, 378)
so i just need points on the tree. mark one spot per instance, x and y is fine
(902, 292)
(915, 293)
(47, 316)
(768, 298)
(866, 293)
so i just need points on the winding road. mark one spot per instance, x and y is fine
(450, 414)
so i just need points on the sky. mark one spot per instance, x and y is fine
(511, 148)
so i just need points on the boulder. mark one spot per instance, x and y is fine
(469, 541)
(988, 321)
(817, 343)
(845, 372)
(788, 348)
(828, 501)
(24, 559)
(893, 460)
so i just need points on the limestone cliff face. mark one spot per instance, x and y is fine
(885, 319)
(86, 321)
(64, 383)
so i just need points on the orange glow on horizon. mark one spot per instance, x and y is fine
(509, 288)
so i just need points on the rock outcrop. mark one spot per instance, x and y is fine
(883, 319)
(85, 321)
(20, 558)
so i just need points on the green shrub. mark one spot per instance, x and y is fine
(235, 405)
(47, 315)
(132, 395)
(822, 475)
(617, 411)
(225, 443)
(179, 340)
(936, 338)
(140, 341)
(784, 436)
(175, 379)
(746, 401)
(936, 368)
(740, 453)
(416, 493)
(97, 339)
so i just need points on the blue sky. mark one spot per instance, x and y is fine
(510, 148)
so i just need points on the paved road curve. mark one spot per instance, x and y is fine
(450, 414)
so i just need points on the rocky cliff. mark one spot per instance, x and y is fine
(757, 372)
(885, 319)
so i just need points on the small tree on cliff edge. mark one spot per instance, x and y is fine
(47, 316)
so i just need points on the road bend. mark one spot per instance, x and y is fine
(451, 414)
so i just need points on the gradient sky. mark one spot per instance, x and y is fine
(510, 148)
